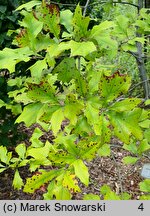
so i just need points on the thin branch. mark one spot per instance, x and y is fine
(119, 174)
(95, 3)
(127, 3)
(85, 7)
(66, 4)
(138, 84)
(79, 63)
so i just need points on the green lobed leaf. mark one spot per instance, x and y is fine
(5, 156)
(147, 134)
(29, 5)
(126, 124)
(122, 24)
(112, 86)
(35, 138)
(125, 105)
(37, 68)
(61, 158)
(145, 123)
(30, 114)
(71, 112)
(55, 49)
(66, 70)
(81, 171)
(56, 120)
(2, 103)
(111, 196)
(69, 142)
(125, 196)
(82, 126)
(143, 146)
(131, 147)
(80, 24)
(62, 193)
(81, 48)
(104, 151)
(145, 185)
(104, 128)
(92, 115)
(91, 197)
(32, 25)
(14, 56)
(105, 189)
(130, 160)
(145, 197)
(108, 193)
(88, 149)
(2, 169)
(17, 181)
(40, 153)
(50, 191)
(66, 17)
(147, 102)
(99, 30)
(40, 95)
(50, 18)
(21, 150)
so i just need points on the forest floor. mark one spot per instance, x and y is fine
(103, 170)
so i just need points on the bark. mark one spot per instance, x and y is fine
(140, 61)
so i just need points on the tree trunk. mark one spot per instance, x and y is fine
(140, 61)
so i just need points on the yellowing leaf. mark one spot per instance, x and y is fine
(71, 183)
(36, 181)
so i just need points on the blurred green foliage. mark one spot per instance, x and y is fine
(8, 20)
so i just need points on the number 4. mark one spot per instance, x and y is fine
(141, 207)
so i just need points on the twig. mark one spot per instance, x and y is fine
(119, 175)
(85, 7)
(79, 63)
(147, 156)
(138, 84)
(95, 3)
(115, 146)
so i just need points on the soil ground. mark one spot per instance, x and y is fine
(103, 170)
